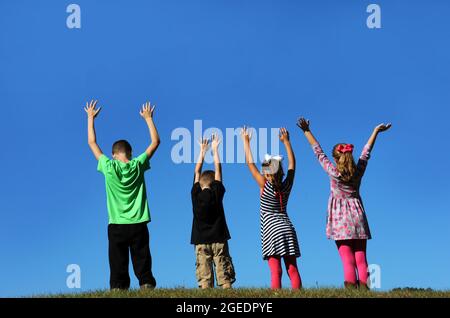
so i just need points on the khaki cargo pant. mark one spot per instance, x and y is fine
(216, 254)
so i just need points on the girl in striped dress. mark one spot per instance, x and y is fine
(346, 219)
(278, 236)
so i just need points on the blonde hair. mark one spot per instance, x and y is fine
(345, 163)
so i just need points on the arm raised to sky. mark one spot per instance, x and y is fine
(284, 138)
(147, 113)
(204, 144)
(303, 124)
(215, 141)
(259, 178)
(92, 113)
(373, 137)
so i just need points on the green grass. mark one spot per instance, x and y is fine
(257, 293)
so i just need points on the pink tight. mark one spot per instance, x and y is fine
(276, 272)
(353, 256)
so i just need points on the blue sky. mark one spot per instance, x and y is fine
(227, 63)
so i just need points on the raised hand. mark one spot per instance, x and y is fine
(215, 142)
(383, 127)
(246, 135)
(284, 134)
(204, 145)
(147, 110)
(147, 114)
(90, 109)
(303, 124)
(92, 112)
(373, 137)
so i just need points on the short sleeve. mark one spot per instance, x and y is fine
(195, 189)
(218, 188)
(289, 180)
(143, 161)
(103, 164)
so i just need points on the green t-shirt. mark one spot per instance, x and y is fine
(125, 189)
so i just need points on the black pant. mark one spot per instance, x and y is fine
(123, 239)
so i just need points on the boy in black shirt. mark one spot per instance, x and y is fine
(209, 228)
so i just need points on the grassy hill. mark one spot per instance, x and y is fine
(258, 293)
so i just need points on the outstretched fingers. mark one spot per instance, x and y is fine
(90, 108)
(147, 109)
(283, 134)
(203, 142)
(303, 123)
(384, 127)
(215, 140)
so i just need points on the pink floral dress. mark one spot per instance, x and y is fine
(346, 218)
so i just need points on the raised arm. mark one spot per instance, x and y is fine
(284, 138)
(376, 131)
(92, 139)
(303, 124)
(204, 143)
(246, 136)
(365, 154)
(326, 164)
(215, 141)
(147, 113)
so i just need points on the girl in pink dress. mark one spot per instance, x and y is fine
(346, 219)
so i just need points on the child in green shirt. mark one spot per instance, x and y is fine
(127, 202)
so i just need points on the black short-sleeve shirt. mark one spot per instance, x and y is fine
(209, 224)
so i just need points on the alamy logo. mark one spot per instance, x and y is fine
(374, 281)
(374, 19)
(74, 278)
(186, 149)
(73, 20)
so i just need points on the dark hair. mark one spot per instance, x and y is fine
(207, 177)
(122, 146)
(277, 176)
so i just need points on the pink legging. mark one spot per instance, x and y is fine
(353, 256)
(276, 272)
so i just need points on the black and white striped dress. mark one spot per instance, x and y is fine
(278, 235)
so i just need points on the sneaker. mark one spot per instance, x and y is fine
(116, 289)
(147, 286)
